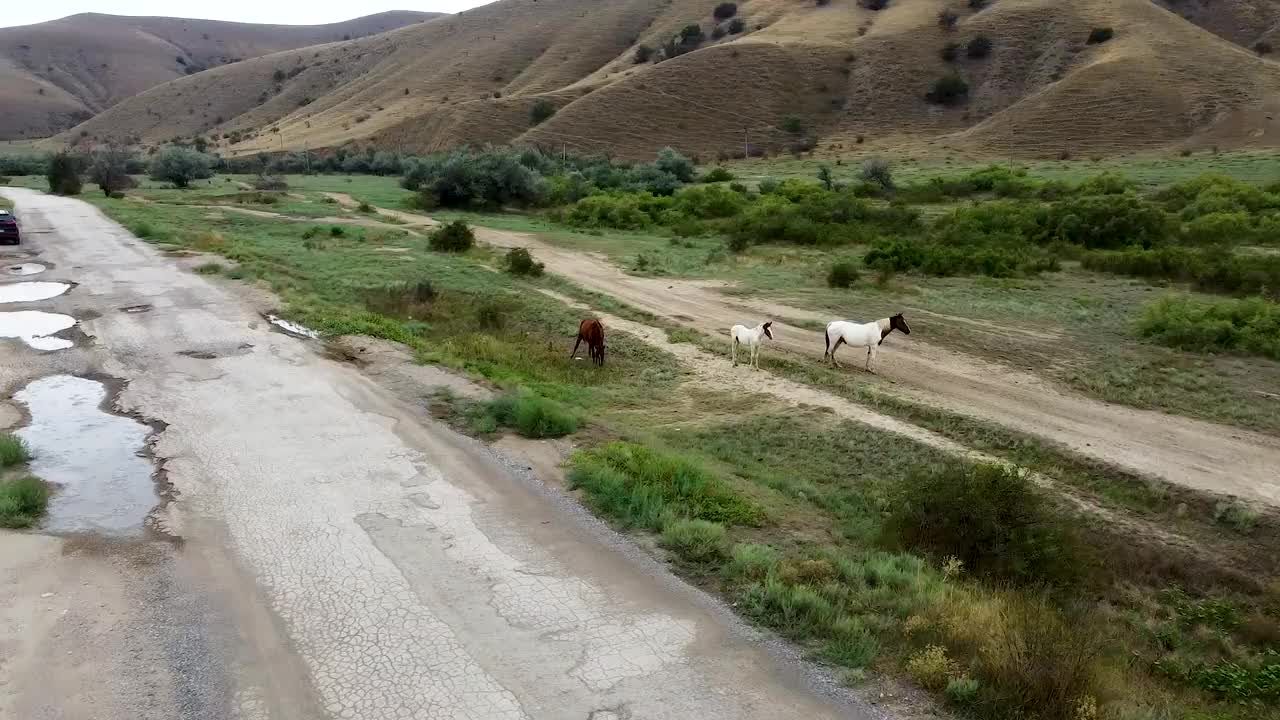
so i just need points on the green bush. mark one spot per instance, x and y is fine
(948, 90)
(621, 211)
(63, 174)
(486, 179)
(736, 26)
(1258, 681)
(979, 47)
(991, 517)
(1219, 228)
(1100, 35)
(878, 172)
(843, 274)
(1250, 325)
(643, 54)
(541, 111)
(717, 174)
(697, 541)
(180, 165)
(455, 236)
(962, 690)
(749, 561)
(641, 487)
(531, 415)
(1110, 221)
(705, 203)
(1213, 269)
(22, 501)
(13, 451)
(725, 10)
(520, 262)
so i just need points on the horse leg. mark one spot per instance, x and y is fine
(755, 356)
(575, 346)
(839, 342)
(733, 351)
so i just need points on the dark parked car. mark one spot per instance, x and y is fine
(9, 232)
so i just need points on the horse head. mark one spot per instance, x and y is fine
(899, 322)
(767, 331)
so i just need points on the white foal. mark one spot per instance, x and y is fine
(869, 335)
(753, 338)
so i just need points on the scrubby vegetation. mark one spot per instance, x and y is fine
(63, 174)
(22, 501)
(528, 414)
(181, 165)
(520, 262)
(12, 451)
(1250, 325)
(454, 236)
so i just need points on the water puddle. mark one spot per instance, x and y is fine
(24, 269)
(292, 328)
(31, 291)
(36, 328)
(104, 483)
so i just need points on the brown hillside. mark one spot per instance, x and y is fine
(55, 74)
(845, 71)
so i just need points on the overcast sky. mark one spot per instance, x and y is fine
(289, 12)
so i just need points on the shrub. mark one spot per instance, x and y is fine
(64, 174)
(337, 231)
(455, 236)
(675, 164)
(962, 690)
(878, 171)
(950, 52)
(931, 667)
(979, 47)
(1249, 325)
(1213, 269)
(697, 541)
(531, 415)
(948, 90)
(22, 501)
(1100, 35)
(793, 124)
(520, 262)
(717, 174)
(643, 54)
(1107, 183)
(872, 4)
(1235, 515)
(947, 19)
(992, 518)
(641, 487)
(142, 229)
(484, 179)
(621, 211)
(541, 110)
(704, 203)
(13, 451)
(1110, 221)
(491, 313)
(180, 165)
(843, 274)
(403, 299)
(109, 169)
(270, 183)
(725, 10)
(1262, 47)
(736, 26)
(752, 562)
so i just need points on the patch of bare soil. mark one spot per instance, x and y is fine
(392, 365)
(412, 219)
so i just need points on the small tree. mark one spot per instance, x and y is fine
(979, 47)
(64, 174)
(109, 169)
(878, 171)
(725, 10)
(180, 166)
(453, 237)
(521, 262)
(1100, 35)
(542, 110)
(825, 177)
(950, 52)
(672, 162)
(643, 54)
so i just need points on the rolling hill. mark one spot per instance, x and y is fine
(798, 73)
(58, 73)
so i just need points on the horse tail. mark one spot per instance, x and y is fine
(826, 335)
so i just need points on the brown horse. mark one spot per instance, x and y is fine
(591, 330)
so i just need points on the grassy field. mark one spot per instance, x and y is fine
(794, 517)
(1149, 170)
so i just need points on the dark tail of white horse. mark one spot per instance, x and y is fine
(826, 335)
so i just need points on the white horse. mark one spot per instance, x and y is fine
(869, 335)
(753, 338)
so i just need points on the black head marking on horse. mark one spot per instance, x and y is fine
(900, 323)
(767, 331)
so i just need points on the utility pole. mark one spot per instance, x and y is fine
(746, 146)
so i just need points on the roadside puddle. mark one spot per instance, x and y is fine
(292, 328)
(36, 328)
(31, 291)
(24, 269)
(104, 482)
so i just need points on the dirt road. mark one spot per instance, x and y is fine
(1189, 452)
(327, 550)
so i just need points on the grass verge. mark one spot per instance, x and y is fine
(22, 501)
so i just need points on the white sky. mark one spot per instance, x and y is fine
(287, 12)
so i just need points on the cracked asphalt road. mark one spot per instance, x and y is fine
(341, 555)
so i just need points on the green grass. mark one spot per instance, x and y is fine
(13, 451)
(1147, 169)
(528, 414)
(696, 541)
(1250, 325)
(22, 501)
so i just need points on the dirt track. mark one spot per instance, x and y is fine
(342, 554)
(1189, 452)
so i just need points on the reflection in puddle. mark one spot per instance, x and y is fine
(292, 328)
(93, 457)
(31, 291)
(36, 328)
(24, 269)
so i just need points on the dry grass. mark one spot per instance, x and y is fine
(55, 74)
(474, 78)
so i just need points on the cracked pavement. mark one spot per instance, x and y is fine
(343, 556)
